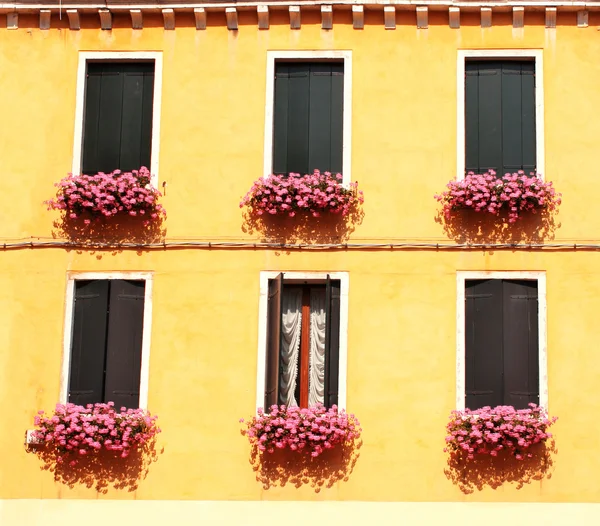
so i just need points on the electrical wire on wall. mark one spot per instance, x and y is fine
(221, 244)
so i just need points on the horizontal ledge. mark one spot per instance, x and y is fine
(294, 7)
(466, 4)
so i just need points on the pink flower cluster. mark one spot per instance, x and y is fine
(74, 429)
(312, 429)
(316, 193)
(516, 193)
(106, 195)
(487, 431)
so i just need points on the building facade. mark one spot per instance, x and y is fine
(210, 97)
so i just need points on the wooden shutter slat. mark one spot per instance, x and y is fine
(490, 117)
(337, 117)
(109, 122)
(298, 118)
(512, 123)
(131, 127)
(483, 343)
(319, 118)
(528, 130)
(147, 119)
(89, 161)
(124, 343)
(274, 307)
(471, 118)
(88, 342)
(521, 348)
(332, 341)
(280, 118)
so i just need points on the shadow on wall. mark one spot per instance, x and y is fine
(493, 472)
(300, 469)
(303, 227)
(103, 232)
(101, 470)
(468, 226)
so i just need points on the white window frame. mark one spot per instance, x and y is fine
(133, 56)
(463, 56)
(461, 278)
(265, 276)
(72, 277)
(272, 57)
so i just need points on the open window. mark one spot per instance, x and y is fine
(303, 342)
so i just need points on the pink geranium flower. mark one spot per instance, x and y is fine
(517, 193)
(106, 195)
(86, 429)
(488, 431)
(314, 193)
(311, 430)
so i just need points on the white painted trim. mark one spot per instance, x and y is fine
(346, 56)
(146, 332)
(265, 276)
(461, 277)
(463, 55)
(95, 56)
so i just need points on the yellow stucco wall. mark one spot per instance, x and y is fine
(402, 304)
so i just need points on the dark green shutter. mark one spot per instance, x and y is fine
(483, 343)
(298, 122)
(500, 116)
(308, 117)
(521, 346)
(332, 341)
(124, 343)
(274, 307)
(280, 119)
(118, 116)
(528, 127)
(88, 343)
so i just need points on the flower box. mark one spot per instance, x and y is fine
(74, 430)
(488, 431)
(106, 195)
(514, 193)
(304, 430)
(317, 193)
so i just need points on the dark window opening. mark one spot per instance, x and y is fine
(106, 344)
(501, 343)
(308, 117)
(117, 125)
(500, 127)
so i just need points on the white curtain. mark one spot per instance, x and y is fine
(291, 329)
(316, 383)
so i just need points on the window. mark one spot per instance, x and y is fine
(106, 342)
(500, 111)
(302, 342)
(308, 117)
(117, 116)
(500, 116)
(501, 338)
